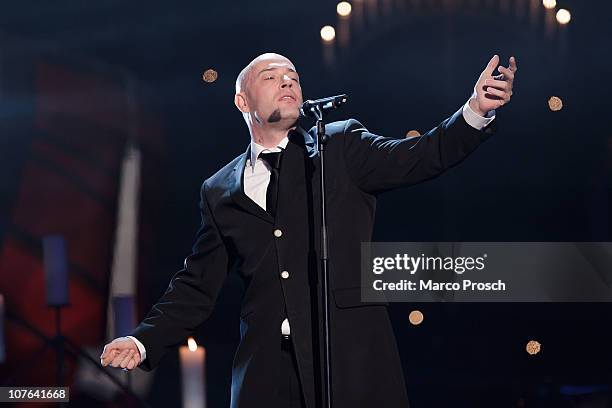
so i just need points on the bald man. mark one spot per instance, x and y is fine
(260, 217)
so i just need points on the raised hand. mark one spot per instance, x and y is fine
(492, 92)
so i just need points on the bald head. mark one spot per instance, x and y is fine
(246, 73)
(269, 95)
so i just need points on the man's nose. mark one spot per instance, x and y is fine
(286, 82)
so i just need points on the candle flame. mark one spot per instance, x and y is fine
(191, 344)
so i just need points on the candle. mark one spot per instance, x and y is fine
(56, 270)
(192, 375)
(2, 349)
(123, 312)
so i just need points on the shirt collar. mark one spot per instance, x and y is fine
(257, 149)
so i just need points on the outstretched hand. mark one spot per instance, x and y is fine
(121, 352)
(492, 92)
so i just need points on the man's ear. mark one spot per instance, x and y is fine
(241, 102)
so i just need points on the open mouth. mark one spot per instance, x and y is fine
(287, 98)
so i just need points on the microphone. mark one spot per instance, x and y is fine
(309, 108)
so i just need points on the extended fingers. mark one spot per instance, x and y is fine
(505, 96)
(513, 66)
(493, 62)
(507, 72)
(499, 84)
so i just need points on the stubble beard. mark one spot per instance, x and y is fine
(275, 116)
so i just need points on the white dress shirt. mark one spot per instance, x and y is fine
(257, 177)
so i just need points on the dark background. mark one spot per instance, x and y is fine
(545, 176)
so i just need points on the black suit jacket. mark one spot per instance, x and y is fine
(238, 235)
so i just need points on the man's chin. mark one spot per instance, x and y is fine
(285, 115)
(290, 110)
(291, 114)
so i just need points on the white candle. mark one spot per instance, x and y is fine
(2, 347)
(56, 270)
(192, 375)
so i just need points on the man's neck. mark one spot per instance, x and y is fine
(269, 137)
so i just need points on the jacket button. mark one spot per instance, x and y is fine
(278, 233)
(285, 274)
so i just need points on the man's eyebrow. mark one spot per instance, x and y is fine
(274, 68)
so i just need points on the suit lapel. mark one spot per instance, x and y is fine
(237, 190)
(307, 141)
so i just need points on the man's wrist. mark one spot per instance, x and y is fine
(141, 348)
(474, 106)
(475, 120)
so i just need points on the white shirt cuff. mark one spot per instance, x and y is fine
(141, 348)
(475, 120)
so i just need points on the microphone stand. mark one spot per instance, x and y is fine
(322, 139)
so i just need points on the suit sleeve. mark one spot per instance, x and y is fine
(376, 163)
(191, 294)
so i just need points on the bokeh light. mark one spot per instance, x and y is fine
(210, 75)
(415, 317)
(344, 8)
(563, 16)
(328, 33)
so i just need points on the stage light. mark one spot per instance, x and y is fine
(191, 344)
(563, 16)
(415, 317)
(343, 8)
(412, 133)
(210, 75)
(549, 4)
(328, 33)
(555, 103)
(533, 347)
